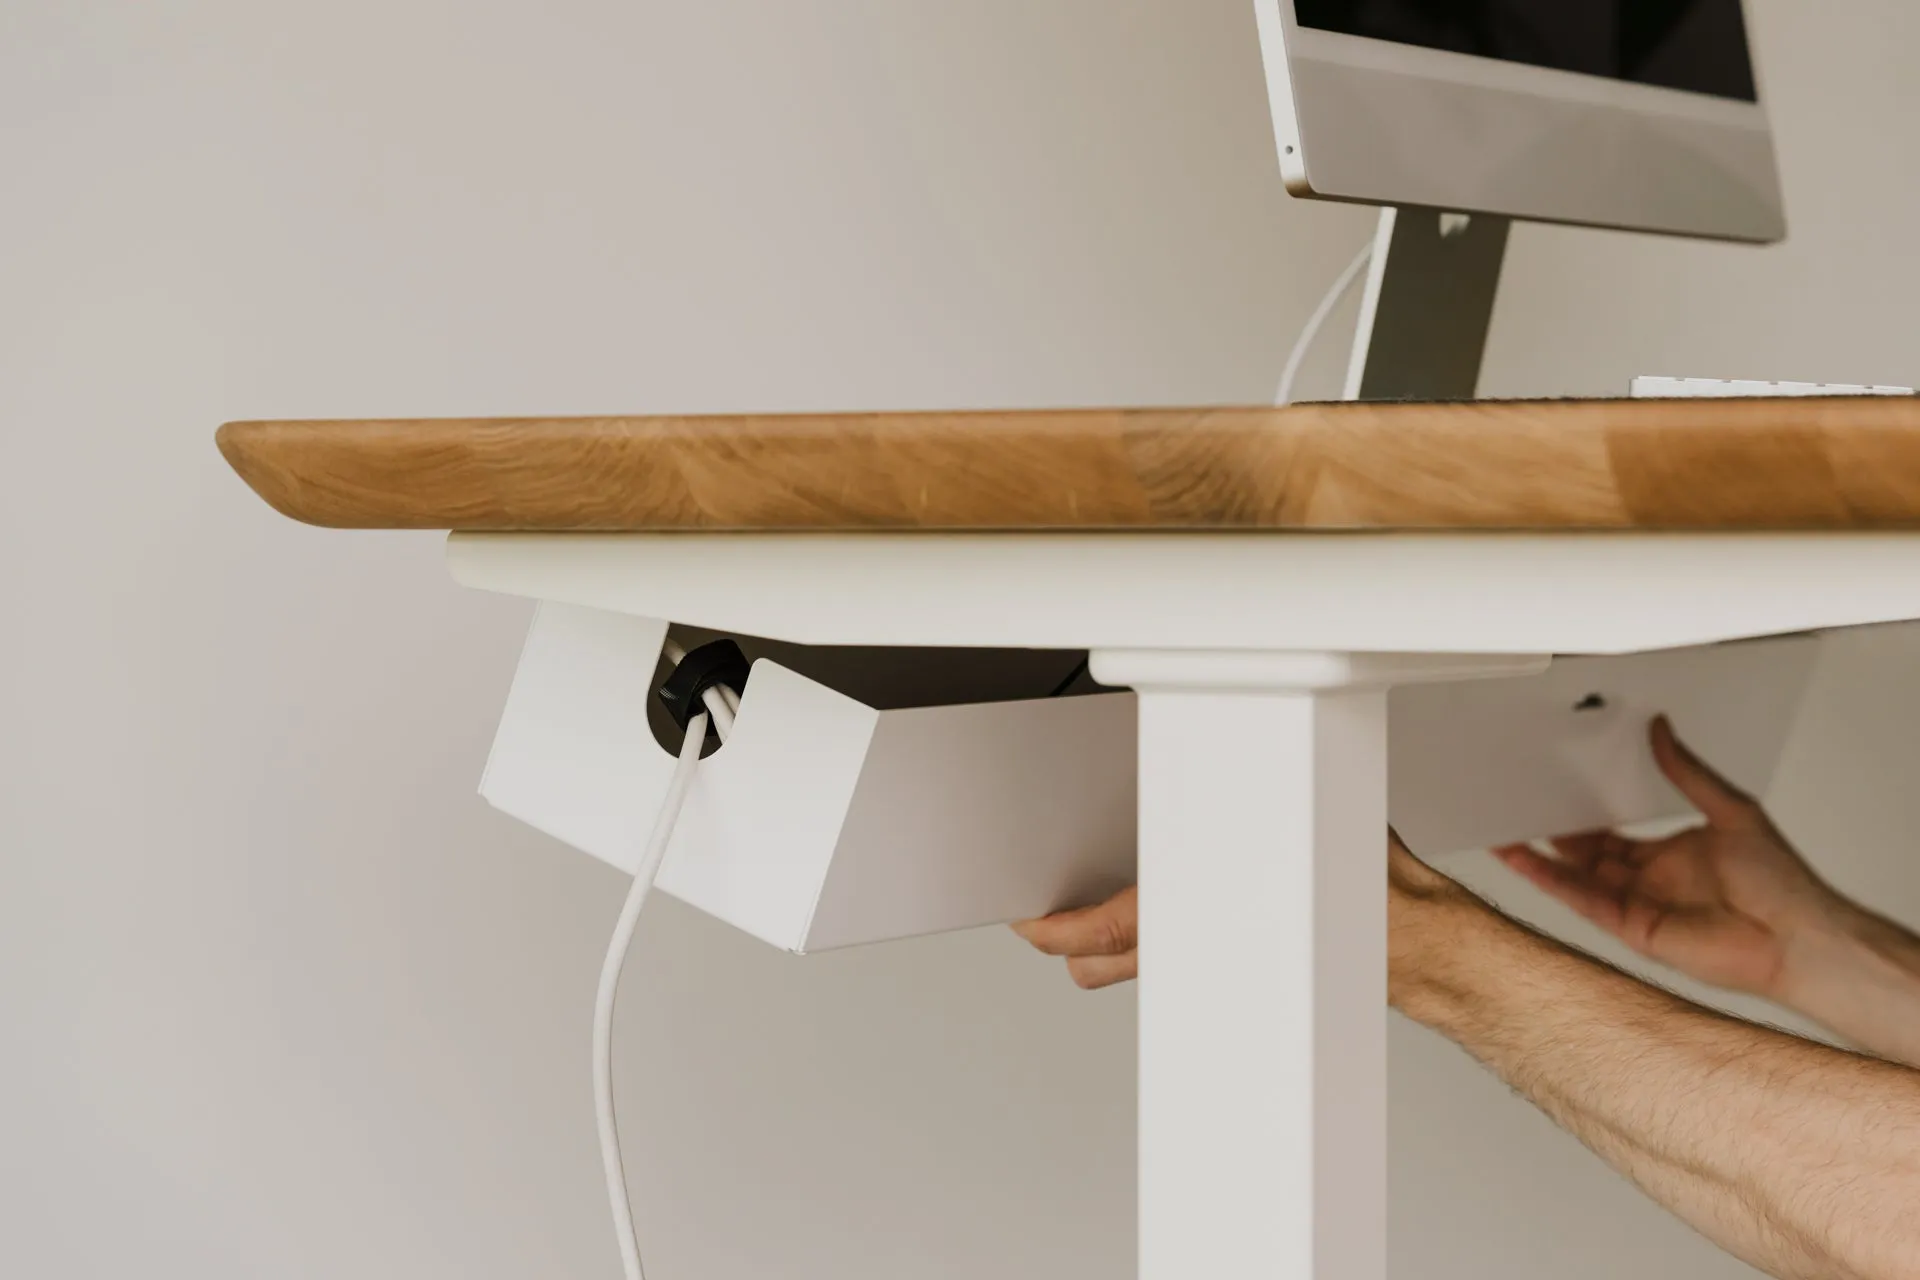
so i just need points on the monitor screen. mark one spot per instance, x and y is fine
(1696, 45)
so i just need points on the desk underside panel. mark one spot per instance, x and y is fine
(1840, 463)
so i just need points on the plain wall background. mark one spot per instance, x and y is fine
(280, 997)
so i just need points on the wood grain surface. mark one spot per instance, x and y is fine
(1793, 464)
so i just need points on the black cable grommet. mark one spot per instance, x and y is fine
(709, 666)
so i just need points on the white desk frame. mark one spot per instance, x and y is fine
(1262, 664)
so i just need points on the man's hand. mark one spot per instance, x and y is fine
(1101, 944)
(1729, 903)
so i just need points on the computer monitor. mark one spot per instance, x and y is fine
(1643, 115)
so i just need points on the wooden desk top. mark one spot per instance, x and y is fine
(1796, 464)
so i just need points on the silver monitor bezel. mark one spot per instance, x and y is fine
(1374, 122)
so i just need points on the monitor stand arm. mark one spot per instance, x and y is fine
(1429, 301)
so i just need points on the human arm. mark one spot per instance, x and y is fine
(1733, 904)
(1801, 1159)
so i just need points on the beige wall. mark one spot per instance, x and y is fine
(279, 997)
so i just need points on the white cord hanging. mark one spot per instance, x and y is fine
(721, 703)
(650, 859)
(1318, 321)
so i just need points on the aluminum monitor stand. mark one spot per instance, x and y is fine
(1429, 301)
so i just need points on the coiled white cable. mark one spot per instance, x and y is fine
(1318, 321)
(721, 703)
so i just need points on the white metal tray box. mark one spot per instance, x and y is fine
(824, 822)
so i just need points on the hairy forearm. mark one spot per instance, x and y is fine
(1801, 1159)
(1858, 975)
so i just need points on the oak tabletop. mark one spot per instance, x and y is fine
(1838, 463)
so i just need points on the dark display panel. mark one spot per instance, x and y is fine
(1696, 45)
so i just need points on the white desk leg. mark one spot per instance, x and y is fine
(1263, 1091)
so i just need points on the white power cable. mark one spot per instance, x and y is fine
(1318, 321)
(650, 859)
(721, 703)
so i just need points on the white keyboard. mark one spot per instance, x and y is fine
(1689, 388)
